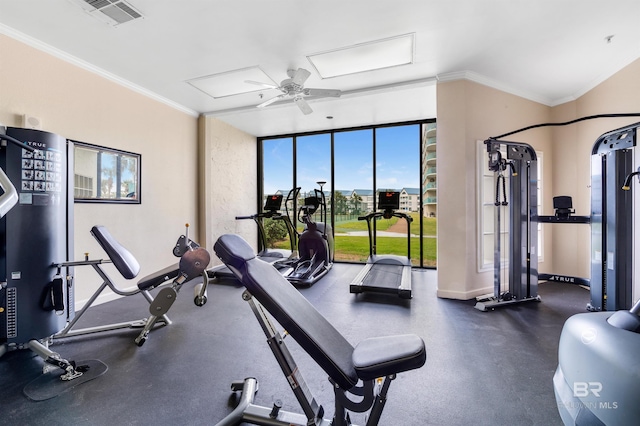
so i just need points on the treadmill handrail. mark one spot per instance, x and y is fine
(400, 215)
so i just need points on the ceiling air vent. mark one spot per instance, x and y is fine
(113, 12)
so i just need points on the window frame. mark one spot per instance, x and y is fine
(137, 174)
(330, 200)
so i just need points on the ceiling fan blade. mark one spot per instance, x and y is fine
(303, 105)
(270, 101)
(300, 76)
(323, 92)
(270, 86)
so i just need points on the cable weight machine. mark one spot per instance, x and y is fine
(520, 166)
(612, 217)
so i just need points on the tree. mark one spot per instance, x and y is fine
(357, 203)
(341, 206)
(275, 231)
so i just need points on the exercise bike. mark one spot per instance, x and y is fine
(315, 244)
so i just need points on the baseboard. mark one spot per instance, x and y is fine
(106, 296)
(464, 295)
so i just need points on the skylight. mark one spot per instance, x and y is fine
(375, 55)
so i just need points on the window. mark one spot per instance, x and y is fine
(277, 172)
(105, 175)
(355, 164)
(487, 198)
(313, 166)
(486, 212)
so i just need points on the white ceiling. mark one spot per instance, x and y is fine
(549, 51)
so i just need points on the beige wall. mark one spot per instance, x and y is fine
(81, 105)
(469, 112)
(572, 149)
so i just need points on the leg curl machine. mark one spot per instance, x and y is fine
(193, 261)
(36, 278)
(363, 372)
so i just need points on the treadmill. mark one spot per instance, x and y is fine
(270, 255)
(388, 274)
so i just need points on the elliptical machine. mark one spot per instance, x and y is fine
(270, 210)
(315, 244)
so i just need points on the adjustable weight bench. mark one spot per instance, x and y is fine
(193, 261)
(364, 371)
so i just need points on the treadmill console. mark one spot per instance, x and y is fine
(388, 200)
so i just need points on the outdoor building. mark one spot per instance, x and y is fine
(429, 195)
(365, 197)
(410, 199)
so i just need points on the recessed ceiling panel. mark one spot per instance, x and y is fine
(370, 56)
(231, 83)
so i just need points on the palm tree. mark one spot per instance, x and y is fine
(357, 203)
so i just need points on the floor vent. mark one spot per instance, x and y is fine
(113, 12)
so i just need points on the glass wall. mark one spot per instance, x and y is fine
(354, 165)
(397, 152)
(353, 174)
(429, 174)
(313, 171)
(277, 179)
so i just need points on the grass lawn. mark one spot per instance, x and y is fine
(429, 225)
(356, 248)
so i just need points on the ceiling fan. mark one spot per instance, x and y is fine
(293, 88)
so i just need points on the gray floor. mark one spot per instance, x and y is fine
(492, 368)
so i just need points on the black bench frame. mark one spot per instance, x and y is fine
(363, 373)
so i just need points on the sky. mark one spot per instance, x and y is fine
(397, 160)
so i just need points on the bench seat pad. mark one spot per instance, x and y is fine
(122, 258)
(153, 280)
(382, 356)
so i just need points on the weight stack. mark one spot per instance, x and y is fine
(35, 300)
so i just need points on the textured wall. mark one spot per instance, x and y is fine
(228, 159)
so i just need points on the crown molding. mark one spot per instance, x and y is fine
(495, 84)
(37, 44)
